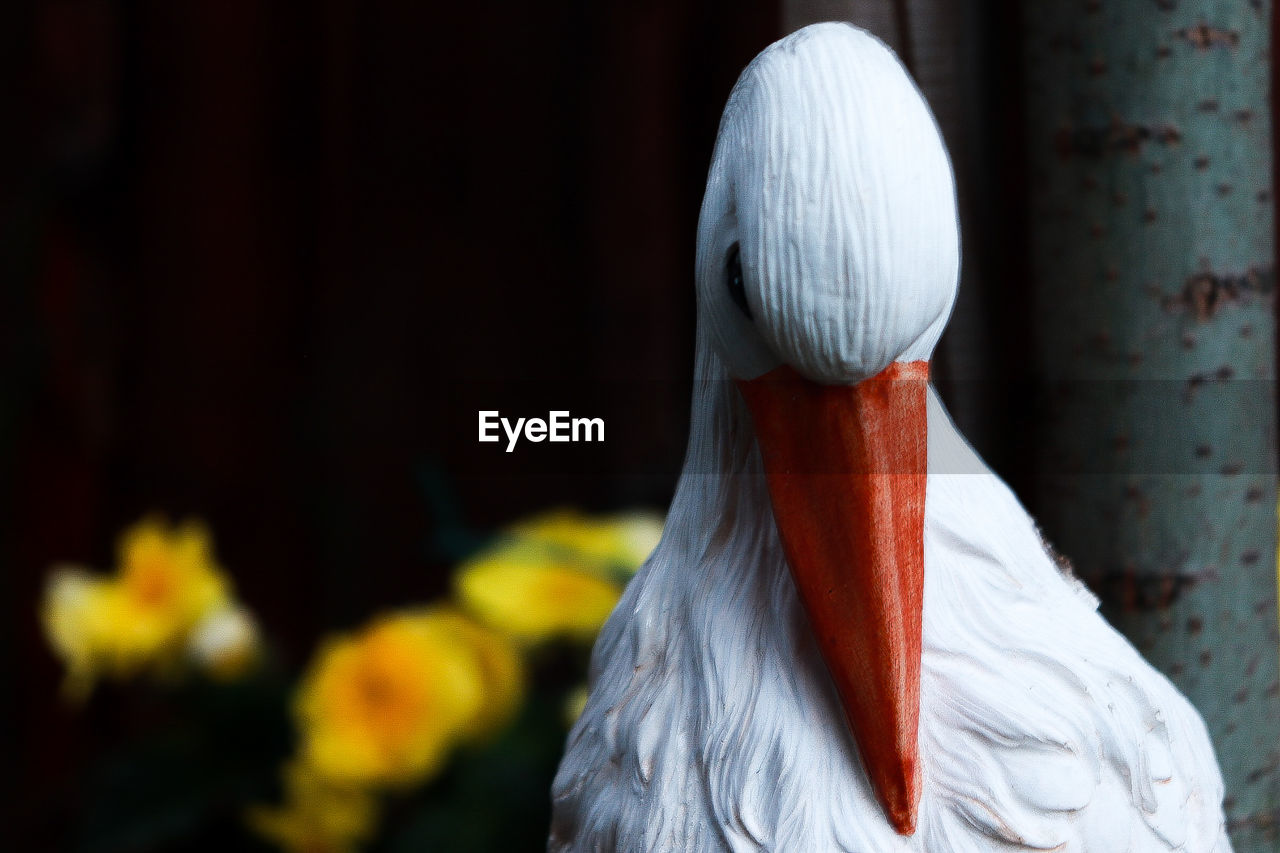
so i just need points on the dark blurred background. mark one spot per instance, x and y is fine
(263, 263)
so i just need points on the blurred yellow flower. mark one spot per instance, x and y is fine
(619, 542)
(556, 574)
(384, 706)
(77, 612)
(501, 669)
(535, 601)
(318, 816)
(169, 581)
(166, 581)
(225, 642)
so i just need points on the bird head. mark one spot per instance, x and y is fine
(828, 256)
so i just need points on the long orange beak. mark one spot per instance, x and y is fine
(846, 468)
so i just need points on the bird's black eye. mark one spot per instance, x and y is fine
(733, 275)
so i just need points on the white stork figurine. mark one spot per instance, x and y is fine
(851, 636)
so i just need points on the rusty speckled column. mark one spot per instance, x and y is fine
(1149, 148)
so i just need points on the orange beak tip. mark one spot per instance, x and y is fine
(903, 804)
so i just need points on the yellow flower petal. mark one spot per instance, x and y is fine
(74, 611)
(318, 816)
(385, 705)
(500, 666)
(169, 581)
(621, 541)
(536, 601)
(171, 570)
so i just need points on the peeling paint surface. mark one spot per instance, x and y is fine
(1149, 138)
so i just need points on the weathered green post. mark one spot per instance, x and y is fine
(1149, 151)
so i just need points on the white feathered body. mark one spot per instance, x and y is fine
(713, 725)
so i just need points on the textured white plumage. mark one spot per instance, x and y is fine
(712, 723)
